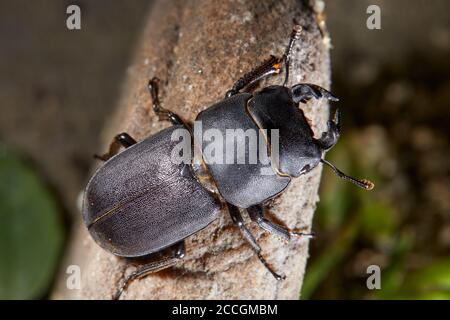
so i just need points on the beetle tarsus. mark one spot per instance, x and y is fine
(237, 219)
(309, 235)
(269, 268)
(295, 35)
(178, 252)
(256, 214)
(123, 139)
(161, 112)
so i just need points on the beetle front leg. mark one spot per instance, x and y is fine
(238, 221)
(178, 252)
(271, 66)
(268, 67)
(303, 92)
(256, 214)
(161, 112)
(295, 35)
(121, 140)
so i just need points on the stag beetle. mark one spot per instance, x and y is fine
(140, 203)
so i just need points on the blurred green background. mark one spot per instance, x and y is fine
(58, 87)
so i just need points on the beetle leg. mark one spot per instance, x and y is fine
(177, 253)
(256, 214)
(237, 220)
(161, 112)
(123, 139)
(268, 67)
(295, 35)
(303, 92)
(271, 66)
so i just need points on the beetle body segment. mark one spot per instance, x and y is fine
(273, 108)
(246, 184)
(140, 202)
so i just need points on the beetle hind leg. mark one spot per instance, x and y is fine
(123, 139)
(237, 220)
(256, 214)
(177, 254)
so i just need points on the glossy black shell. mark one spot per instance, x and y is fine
(273, 108)
(244, 185)
(140, 201)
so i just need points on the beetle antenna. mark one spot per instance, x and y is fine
(363, 183)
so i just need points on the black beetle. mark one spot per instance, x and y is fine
(140, 202)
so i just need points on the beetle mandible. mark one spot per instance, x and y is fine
(140, 203)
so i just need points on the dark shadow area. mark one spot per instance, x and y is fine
(59, 86)
(394, 86)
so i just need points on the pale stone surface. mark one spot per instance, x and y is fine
(198, 49)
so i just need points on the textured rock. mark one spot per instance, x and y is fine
(199, 48)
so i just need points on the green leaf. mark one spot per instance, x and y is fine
(393, 276)
(429, 282)
(31, 231)
(378, 219)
